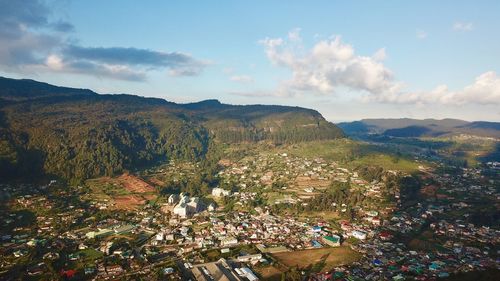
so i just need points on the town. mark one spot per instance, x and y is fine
(246, 228)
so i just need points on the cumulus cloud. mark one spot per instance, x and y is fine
(332, 64)
(484, 90)
(463, 26)
(241, 78)
(32, 41)
(294, 35)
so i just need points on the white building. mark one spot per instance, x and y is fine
(181, 210)
(187, 206)
(358, 234)
(219, 192)
(160, 236)
(194, 205)
(228, 241)
(172, 199)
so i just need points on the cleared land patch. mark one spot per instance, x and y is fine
(126, 192)
(330, 256)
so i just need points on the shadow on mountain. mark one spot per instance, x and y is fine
(493, 155)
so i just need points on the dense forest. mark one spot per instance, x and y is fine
(77, 134)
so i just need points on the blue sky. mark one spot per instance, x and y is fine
(347, 59)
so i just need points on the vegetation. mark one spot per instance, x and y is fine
(77, 134)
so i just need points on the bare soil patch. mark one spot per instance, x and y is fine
(330, 256)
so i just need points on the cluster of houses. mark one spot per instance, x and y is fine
(299, 176)
(192, 228)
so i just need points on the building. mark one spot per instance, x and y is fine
(194, 205)
(173, 199)
(247, 273)
(187, 206)
(99, 234)
(250, 258)
(331, 240)
(228, 241)
(219, 192)
(181, 210)
(220, 270)
(124, 229)
(316, 229)
(358, 234)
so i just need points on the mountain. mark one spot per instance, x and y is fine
(406, 127)
(24, 89)
(77, 134)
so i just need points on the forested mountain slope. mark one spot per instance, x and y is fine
(77, 134)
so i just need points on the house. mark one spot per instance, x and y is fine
(228, 241)
(250, 258)
(219, 192)
(358, 234)
(114, 269)
(160, 236)
(331, 240)
(316, 229)
(385, 235)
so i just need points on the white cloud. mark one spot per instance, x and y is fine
(332, 64)
(484, 90)
(463, 26)
(242, 78)
(54, 62)
(379, 55)
(421, 34)
(31, 41)
(294, 35)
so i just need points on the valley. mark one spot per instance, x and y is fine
(129, 188)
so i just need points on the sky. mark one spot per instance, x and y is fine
(347, 59)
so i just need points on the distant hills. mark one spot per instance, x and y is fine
(78, 134)
(406, 127)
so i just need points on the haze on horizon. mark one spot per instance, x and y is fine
(348, 60)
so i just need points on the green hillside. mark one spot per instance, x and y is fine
(77, 134)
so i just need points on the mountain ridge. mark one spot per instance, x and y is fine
(77, 134)
(407, 127)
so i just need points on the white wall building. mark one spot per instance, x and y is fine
(358, 234)
(219, 192)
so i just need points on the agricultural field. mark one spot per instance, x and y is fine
(125, 192)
